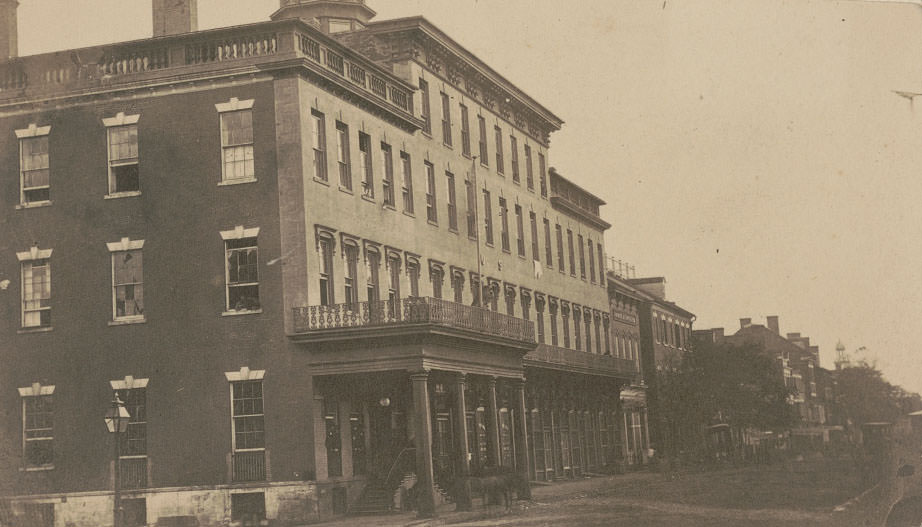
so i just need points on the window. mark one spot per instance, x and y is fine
(425, 111)
(37, 426)
(374, 263)
(571, 253)
(591, 262)
(510, 301)
(560, 261)
(319, 141)
(446, 119)
(504, 224)
(520, 230)
(431, 208)
(436, 276)
(457, 285)
(342, 155)
(135, 399)
(465, 132)
(241, 269)
(547, 243)
(122, 132)
(539, 320)
(127, 280)
(542, 174)
(368, 174)
(601, 265)
(407, 183)
(484, 155)
(566, 328)
(529, 171)
(582, 257)
(413, 275)
(487, 217)
(452, 202)
(325, 248)
(351, 293)
(471, 220)
(514, 153)
(36, 288)
(552, 315)
(498, 133)
(387, 158)
(393, 267)
(247, 415)
(535, 255)
(237, 140)
(35, 185)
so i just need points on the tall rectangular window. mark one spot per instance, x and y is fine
(123, 159)
(446, 119)
(520, 230)
(127, 284)
(487, 217)
(325, 246)
(247, 415)
(591, 261)
(552, 316)
(465, 132)
(413, 275)
(471, 219)
(582, 257)
(542, 174)
(425, 111)
(452, 201)
(34, 174)
(561, 264)
(500, 164)
(38, 430)
(374, 264)
(135, 444)
(342, 155)
(368, 174)
(529, 170)
(237, 145)
(547, 243)
(482, 128)
(242, 274)
(504, 224)
(319, 142)
(535, 255)
(514, 157)
(432, 213)
(571, 253)
(393, 290)
(437, 275)
(387, 159)
(36, 293)
(601, 264)
(406, 172)
(351, 294)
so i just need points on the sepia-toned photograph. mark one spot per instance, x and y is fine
(316, 263)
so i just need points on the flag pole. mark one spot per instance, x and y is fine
(477, 229)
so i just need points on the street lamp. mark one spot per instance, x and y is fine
(117, 422)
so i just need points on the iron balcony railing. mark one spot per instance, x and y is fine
(249, 466)
(582, 360)
(133, 472)
(415, 310)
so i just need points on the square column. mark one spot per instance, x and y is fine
(464, 461)
(521, 439)
(423, 424)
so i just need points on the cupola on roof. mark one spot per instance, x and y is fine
(333, 16)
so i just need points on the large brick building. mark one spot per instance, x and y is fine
(318, 257)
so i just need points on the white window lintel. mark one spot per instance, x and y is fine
(34, 254)
(234, 104)
(33, 131)
(128, 383)
(125, 244)
(245, 374)
(35, 390)
(121, 119)
(239, 232)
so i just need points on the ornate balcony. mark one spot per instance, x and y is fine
(416, 312)
(552, 357)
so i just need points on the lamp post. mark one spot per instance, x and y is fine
(117, 423)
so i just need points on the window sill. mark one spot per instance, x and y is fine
(507, 251)
(448, 145)
(453, 231)
(35, 330)
(34, 205)
(517, 182)
(532, 190)
(488, 244)
(369, 199)
(484, 165)
(433, 223)
(389, 207)
(467, 156)
(241, 312)
(127, 321)
(117, 195)
(229, 182)
(36, 469)
(346, 190)
(410, 214)
(322, 181)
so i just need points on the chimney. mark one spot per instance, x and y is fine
(174, 17)
(772, 322)
(9, 32)
(745, 323)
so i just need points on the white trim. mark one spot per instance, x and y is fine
(239, 232)
(33, 131)
(128, 383)
(126, 244)
(234, 104)
(34, 254)
(245, 374)
(36, 389)
(121, 119)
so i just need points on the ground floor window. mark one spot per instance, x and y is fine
(248, 508)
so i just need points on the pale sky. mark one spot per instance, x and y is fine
(751, 151)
